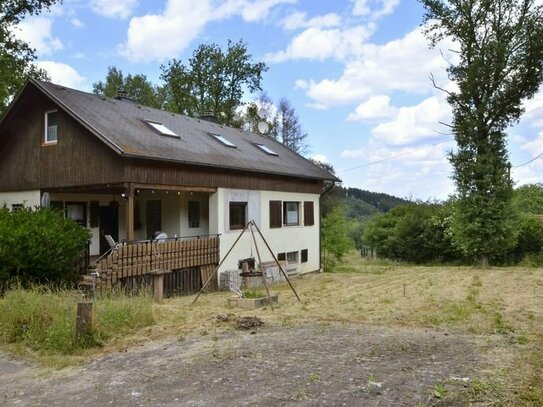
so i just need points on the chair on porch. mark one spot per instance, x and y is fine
(112, 244)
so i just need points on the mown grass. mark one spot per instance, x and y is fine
(41, 322)
(503, 305)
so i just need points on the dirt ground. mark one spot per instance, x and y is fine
(308, 365)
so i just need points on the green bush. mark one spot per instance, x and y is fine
(336, 242)
(39, 245)
(44, 319)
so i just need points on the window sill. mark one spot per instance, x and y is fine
(49, 143)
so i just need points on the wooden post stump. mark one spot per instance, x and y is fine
(83, 325)
(158, 283)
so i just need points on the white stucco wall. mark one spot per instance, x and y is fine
(28, 198)
(284, 239)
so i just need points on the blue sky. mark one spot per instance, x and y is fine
(357, 72)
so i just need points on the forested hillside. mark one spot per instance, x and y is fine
(362, 203)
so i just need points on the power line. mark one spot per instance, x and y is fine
(394, 156)
(528, 162)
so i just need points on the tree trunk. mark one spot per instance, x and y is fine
(482, 261)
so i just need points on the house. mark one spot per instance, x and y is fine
(129, 171)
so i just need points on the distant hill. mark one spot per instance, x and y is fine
(365, 203)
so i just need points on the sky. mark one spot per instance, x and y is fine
(356, 71)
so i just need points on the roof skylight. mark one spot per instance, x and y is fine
(161, 129)
(266, 149)
(223, 140)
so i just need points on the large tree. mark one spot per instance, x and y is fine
(138, 88)
(16, 56)
(213, 82)
(499, 47)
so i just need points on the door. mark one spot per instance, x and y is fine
(109, 225)
(154, 217)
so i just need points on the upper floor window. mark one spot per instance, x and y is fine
(266, 149)
(291, 213)
(160, 128)
(223, 140)
(51, 127)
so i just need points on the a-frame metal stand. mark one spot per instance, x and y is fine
(249, 226)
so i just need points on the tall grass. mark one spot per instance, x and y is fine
(43, 319)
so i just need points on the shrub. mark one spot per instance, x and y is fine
(39, 245)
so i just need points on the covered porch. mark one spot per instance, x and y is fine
(133, 214)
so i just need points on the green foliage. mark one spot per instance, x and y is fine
(500, 63)
(39, 245)
(416, 232)
(44, 319)
(253, 293)
(138, 88)
(214, 81)
(335, 240)
(377, 201)
(528, 199)
(16, 56)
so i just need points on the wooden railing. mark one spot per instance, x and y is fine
(140, 258)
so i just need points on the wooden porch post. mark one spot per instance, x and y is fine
(130, 213)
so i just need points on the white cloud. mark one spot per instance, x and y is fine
(299, 20)
(37, 31)
(77, 23)
(399, 65)
(114, 8)
(374, 8)
(318, 44)
(165, 35)
(63, 74)
(415, 123)
(321, 158)
(375, 108)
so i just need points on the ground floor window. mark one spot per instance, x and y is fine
(238, 215)
(194, 214)
(292, 257)
(77, 211)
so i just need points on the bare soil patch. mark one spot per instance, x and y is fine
(314, 364)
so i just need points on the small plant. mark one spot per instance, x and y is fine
(500, 325)
(253, 293)
(439, 391)
(313, 377)
(522, 339)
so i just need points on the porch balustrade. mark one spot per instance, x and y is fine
(135, 259)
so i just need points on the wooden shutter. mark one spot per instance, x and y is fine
(275, 214)
(304, 256)
(309, 216)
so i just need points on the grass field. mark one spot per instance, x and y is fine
(506, 303)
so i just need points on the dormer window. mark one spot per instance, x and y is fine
(51, 127)
(223, 140)
(161, 129)
(266, 149)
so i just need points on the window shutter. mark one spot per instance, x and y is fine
(309, 216)
(304, 256)
(275, 214)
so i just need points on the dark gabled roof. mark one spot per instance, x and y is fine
(121, 125)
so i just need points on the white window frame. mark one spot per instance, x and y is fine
(223, 140)
(286, 213)
(161, 129)
(46, 129)
(265, 149)
(296, 256)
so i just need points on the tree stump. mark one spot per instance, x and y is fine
(83, 326)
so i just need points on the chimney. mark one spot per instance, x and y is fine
(122, 95)
(209, 117)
